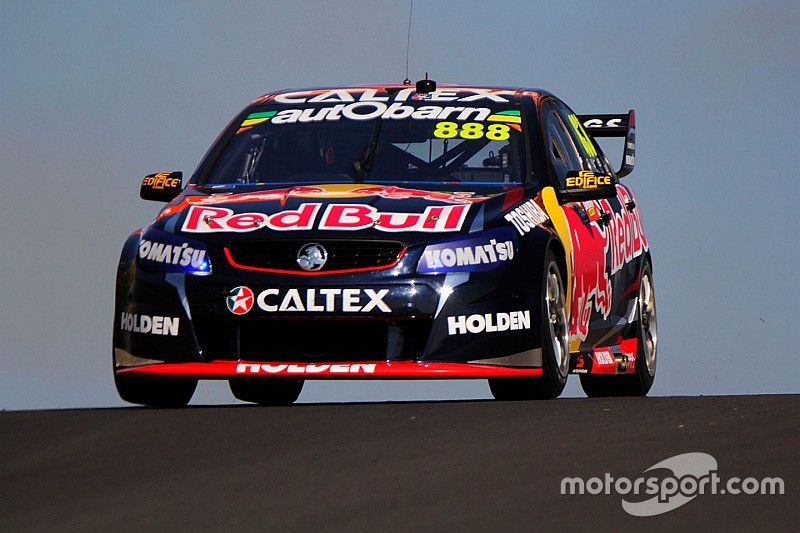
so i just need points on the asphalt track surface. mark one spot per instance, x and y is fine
(434, 466)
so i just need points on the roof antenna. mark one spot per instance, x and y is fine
(408, 43)
(426, 86)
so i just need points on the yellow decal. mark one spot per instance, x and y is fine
(161, 180)
(471, 130)
(559, 219)
(586, 179)
(583, 136)
(257, 118)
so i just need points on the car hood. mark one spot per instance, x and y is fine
(408, 213)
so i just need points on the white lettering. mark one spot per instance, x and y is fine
(153, 325)
(291, 302)
(526, 216)
(378, 109)
(456, 325)
(350, 298)
(306, 368)
(170, 326)
(245, 368)
(262, 300)
(311, 301)
(488, 322)
(338, 95)
(376, 300)
(443, 256)
(476, 323)
(336, 300)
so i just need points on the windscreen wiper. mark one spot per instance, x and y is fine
(363, 164)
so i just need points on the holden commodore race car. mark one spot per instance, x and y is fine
(392, 232)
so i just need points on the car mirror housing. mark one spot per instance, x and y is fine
(161, 187)
(587, 185)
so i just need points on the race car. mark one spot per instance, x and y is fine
(397, 231)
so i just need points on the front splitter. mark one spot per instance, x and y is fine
(363, 370)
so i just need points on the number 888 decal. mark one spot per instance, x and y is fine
(471, 130)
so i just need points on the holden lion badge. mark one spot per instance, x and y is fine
(312, 256)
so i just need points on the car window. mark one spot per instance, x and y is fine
(591, 156)
(559, 144)
(411, 140)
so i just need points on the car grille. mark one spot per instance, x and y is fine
(281, 255)
(318, 340)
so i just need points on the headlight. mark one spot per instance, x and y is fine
(480, 252)
(160, 251)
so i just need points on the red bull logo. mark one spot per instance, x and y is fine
(326, 191)
(340, 217)
(624, 236)
(595, 245)
(592, 288)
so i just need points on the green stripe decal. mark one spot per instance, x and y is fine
(263, 114)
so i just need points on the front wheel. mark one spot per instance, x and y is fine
(640, 382)
(555, 344)
(155, 392)
(263, 392)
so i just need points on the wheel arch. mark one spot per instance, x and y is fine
(561, 255)
(649, 259)
(130, 248)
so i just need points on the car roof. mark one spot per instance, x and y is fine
(396, 87)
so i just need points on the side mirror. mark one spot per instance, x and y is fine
(587, 185)
(161, 187)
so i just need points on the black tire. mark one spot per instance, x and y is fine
(263, 392)
(640, 382)
(555, 344)
(155, 392)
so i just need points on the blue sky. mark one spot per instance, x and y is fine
(94, 95)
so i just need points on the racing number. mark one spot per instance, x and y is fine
(498, 132)
(445, 130)
(471, 130)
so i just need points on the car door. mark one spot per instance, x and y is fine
(609, 221)
(583, 239)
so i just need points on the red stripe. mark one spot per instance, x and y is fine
(512, 198)
(363, 370)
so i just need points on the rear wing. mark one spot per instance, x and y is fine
(615, 126)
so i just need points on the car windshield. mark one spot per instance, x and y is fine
(459, 137)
